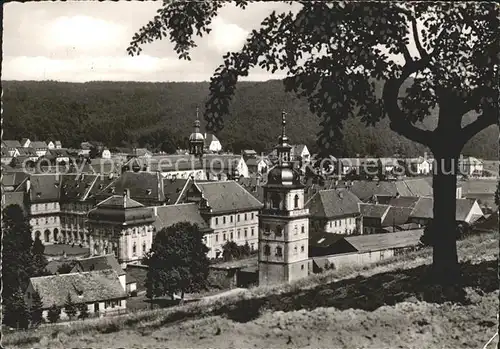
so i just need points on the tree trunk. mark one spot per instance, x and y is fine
(445, 268)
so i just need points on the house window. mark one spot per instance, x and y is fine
(143, 247)
(246, 232)
(253, 231)
(216, 220)
(252, 246)
(216, 237)
(224, 220)
(330, 224)
(302, 229)
(267, 250)
(134, 249)
(295, 250)
(278, 230)
(245, 216)
(224, 236)
(296, 201)
(279, 251)
(302, 248)
(275, 201)
(232, 236)
(239, 233)
(231, 219)
(335, 223)
(296, 230)
(302, 267)
(253, 215)
(238, 218)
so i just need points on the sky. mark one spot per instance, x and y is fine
(87, 40)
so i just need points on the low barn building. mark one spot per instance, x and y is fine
(468, 211)
(367, 249)
(100, 290)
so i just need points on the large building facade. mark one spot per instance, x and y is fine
(283, 222)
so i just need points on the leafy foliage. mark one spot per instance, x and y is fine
(54, 313)
(177, 261)
(17, 257)
(16, 312)
(36, 308)
(83, 311)
(70, 307)
(39, 260)
(231, 250)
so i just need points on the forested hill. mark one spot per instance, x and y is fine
(162, 114)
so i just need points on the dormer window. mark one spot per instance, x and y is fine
(148, 191)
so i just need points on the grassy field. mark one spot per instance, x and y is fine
(385, 305)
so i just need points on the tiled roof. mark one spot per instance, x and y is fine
(377, 242)
(490, 223)
(45, 187)
(38, 145)
(98, 263)
(333, 203)
(401, 201)
(169, 163)
(424, 208)
(324, 239)
(365, 190)
(228, 196)
(169, 215)
(119, 209)
(86, 287)
(479, 186)
(396, 216)
(373, 210)
(14, 179)
(14, 198)
(76, 186)
(11, 144)
(175, 189)
(143, 186)
(27, 151)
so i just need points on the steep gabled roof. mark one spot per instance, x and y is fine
(424, 208)
(396, 216)
(45, 187)
(76, 187)
(333, 203)
(228, 196)
(12, 144)
(169, 215)
(88, 287)
(97, 263)
(38, 145)
(374, 210)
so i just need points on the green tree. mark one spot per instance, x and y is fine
(94, 152)
(83, 311)
(54, 313)
(17, 256)
(230, 251)
(36, 309)
(245, 250)
(365, 46)
(39, 260)
(16, 313)
(177, 261)
(70, 307)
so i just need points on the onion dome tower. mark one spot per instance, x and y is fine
(196, 139)
(283, 222)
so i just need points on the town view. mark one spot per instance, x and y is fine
(243, 174)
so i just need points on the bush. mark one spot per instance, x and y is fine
(83, 310)
(54, 313)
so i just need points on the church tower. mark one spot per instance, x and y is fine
(283, 222)
(196, 139)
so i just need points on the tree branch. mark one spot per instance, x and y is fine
(422, 52)
(398, 121)
(486, 119)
